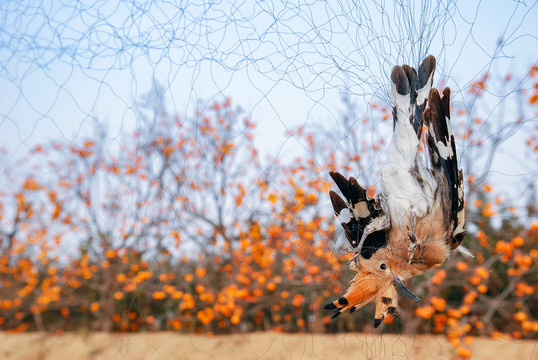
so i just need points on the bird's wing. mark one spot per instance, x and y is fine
(358, 212)
(442, 149)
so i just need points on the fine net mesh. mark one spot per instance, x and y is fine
(164, 167)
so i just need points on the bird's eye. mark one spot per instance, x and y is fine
(382, 266)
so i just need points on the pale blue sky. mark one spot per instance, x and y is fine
(61, 67)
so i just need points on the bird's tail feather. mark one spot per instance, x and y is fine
(410, 92)
(426, 71)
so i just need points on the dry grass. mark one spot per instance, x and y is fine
(262, 346)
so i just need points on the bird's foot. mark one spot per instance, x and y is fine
(355, 260)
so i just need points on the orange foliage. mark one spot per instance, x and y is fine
(211, 244)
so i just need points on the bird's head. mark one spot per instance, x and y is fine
(391, 269)
(375, 281)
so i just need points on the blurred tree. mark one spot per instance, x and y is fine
(178, 226)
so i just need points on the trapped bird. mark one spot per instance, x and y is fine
(418, 216)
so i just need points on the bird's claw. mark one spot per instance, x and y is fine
(411, 250)
(355, 260)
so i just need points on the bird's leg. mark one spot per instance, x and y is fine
(350, 250)
(356, 259)
(414, 242)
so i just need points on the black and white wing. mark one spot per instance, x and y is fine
(442, 148)
(357, 213)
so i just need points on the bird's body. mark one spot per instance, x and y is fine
(419, 215)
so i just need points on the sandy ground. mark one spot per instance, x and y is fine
(261, 346)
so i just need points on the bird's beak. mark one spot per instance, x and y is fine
(400, 284)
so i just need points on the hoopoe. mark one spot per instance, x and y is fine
(418, 216)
